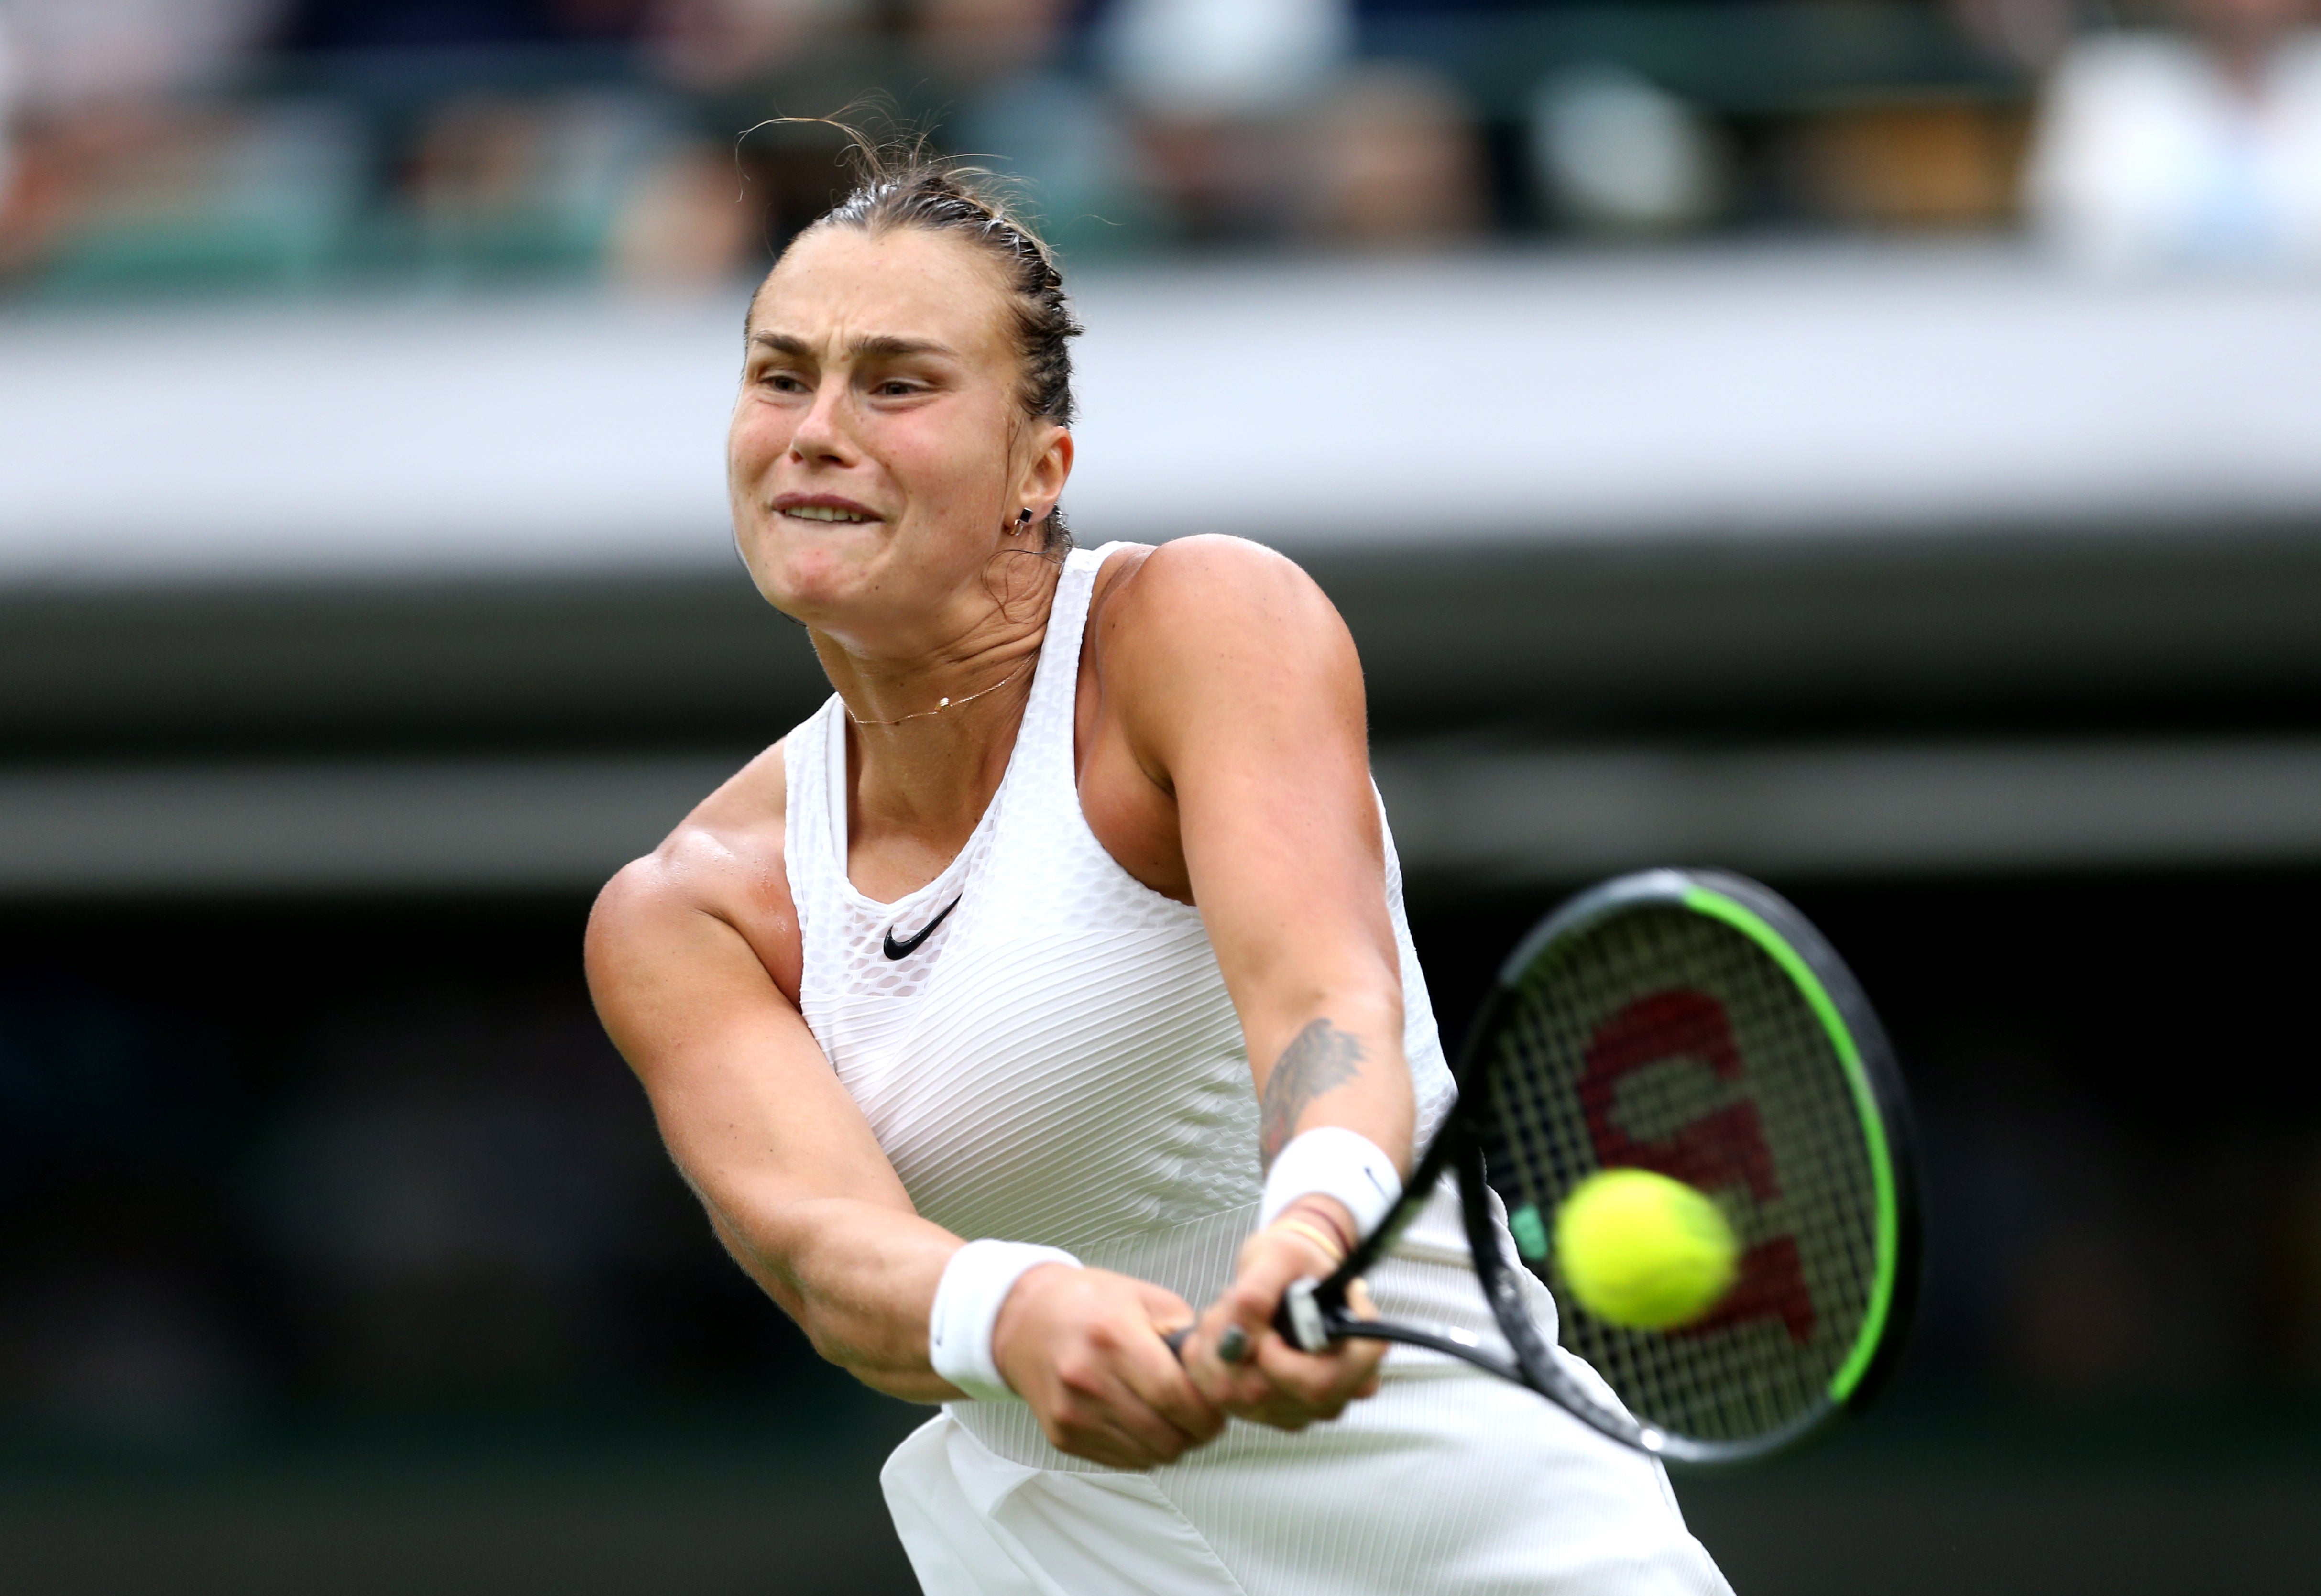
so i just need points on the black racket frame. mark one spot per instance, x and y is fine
(1314, 1312)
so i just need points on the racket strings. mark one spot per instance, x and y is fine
(1663, 1039)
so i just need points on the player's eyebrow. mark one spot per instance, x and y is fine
(871, 346)
(886, 347)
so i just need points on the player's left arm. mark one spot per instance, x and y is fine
(1239, 697)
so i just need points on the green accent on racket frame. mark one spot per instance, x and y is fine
(1717, 906)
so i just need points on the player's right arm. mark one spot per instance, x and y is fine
(692, 962)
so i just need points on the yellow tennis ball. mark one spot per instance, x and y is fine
(1641, 1250)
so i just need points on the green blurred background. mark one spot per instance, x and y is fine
(1863, 442)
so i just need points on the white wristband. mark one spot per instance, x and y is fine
(1333, 1161)
(974, 1287)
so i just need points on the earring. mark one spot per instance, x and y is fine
(1022, 516)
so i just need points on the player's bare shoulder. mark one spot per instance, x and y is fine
(726, 862)
(1199, 648)
(1220, 607)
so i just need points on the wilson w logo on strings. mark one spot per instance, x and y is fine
(1721, 1150)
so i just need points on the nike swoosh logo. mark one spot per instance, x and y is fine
(903, 950)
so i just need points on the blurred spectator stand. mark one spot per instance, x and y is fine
(259, 144)
(2200, 147)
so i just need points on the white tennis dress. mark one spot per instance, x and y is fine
(1056, 1060)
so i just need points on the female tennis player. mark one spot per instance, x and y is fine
(1054, 978)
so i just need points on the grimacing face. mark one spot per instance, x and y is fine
(878, 451)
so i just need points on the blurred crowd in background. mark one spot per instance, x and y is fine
(266, 142)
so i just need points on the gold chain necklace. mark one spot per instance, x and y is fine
(942, 704)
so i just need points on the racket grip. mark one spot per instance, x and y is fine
(1232, 1347)
(1300, 1317)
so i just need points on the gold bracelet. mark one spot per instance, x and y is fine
(1319, 1216)
(1314, 1234)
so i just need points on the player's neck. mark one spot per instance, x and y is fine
(930, 738)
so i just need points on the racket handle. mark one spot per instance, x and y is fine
(1232, 1347)
(1301, 1319)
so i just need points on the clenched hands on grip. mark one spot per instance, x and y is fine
(1274, 1383)
(1084, 1348)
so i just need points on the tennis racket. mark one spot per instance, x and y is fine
(1692, 1023)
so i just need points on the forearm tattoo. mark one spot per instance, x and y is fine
(1318, 1058)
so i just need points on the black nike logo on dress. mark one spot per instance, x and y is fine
(903, 950)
